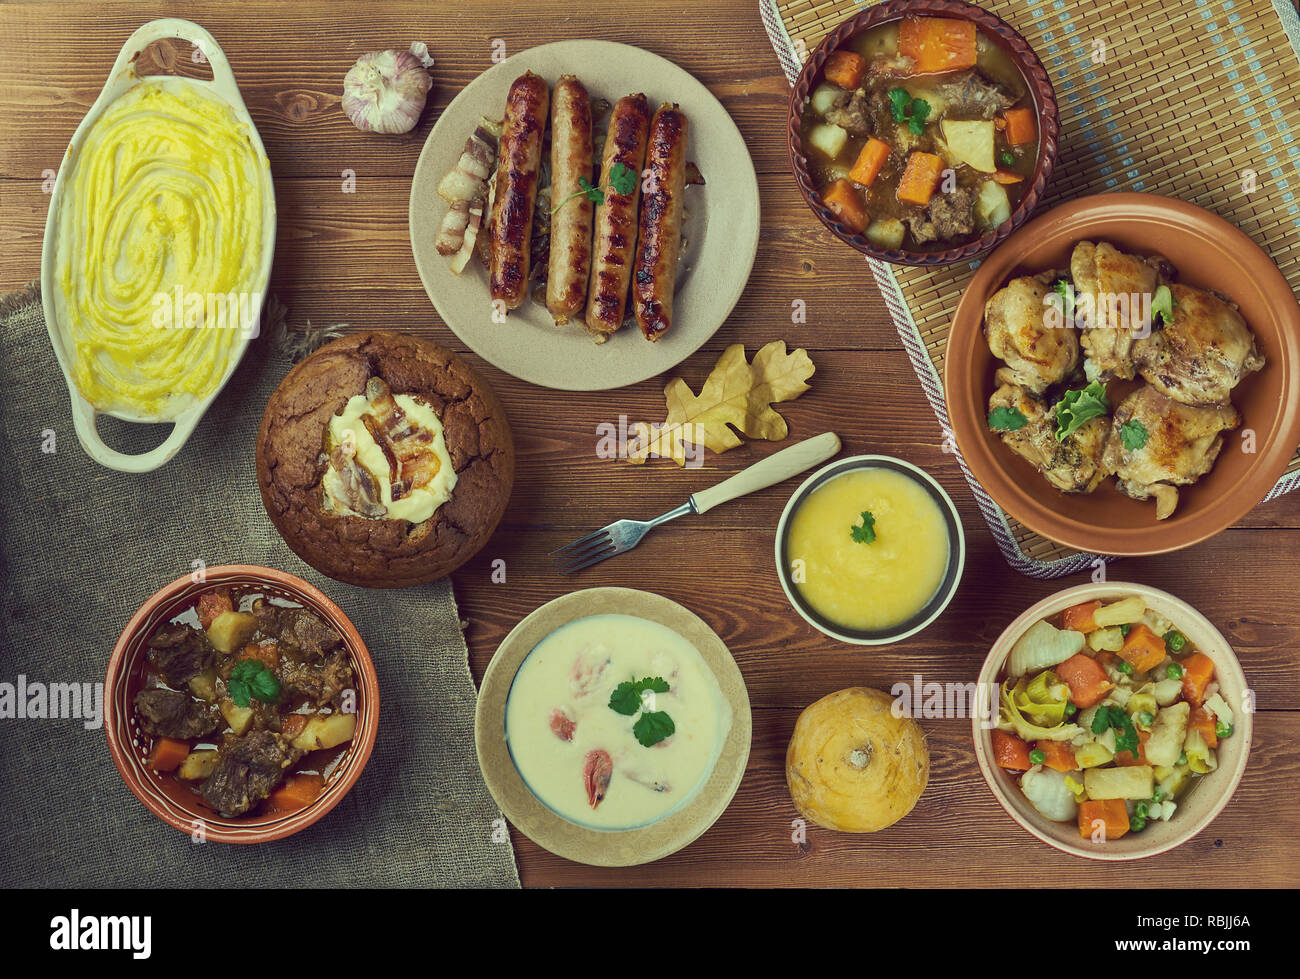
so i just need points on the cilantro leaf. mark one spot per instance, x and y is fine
(1162, 304)
(1133, 434)
(627, 696)
(252, 678)
(1004, 419)
(1065, 290)
(622, 178)
(1077, 408)
(899, 100)
(920, 112)
(866, 533)
(652, 727)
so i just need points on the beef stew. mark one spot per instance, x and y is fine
(921, 134)
(248, 702)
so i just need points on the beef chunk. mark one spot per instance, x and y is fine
(299, 634)
(179, 652)
(318, 684)
(852, 113)
(172, 714)
(248, 770)
(946, 217)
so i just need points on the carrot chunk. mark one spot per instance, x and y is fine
(870, 161)
(268, 653)
(1060, 755)
(847, 204)
(1086, 679)
(211, 604)
(938, 43)
(1198, 671)
(1142, 649)
(296, 792)
(1078, 618)
(1203, 721)
(845, 69)
(920, 178)
(1109, 813)
(1021, 127)
(1010, 752)
(166, 754)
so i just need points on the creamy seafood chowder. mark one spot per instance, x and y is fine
(614, 721)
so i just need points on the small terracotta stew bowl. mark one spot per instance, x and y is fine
(1029, 174)
(1199, 804)
(174, 802)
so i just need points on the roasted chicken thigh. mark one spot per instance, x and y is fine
(1113, 292)
(1157, 444)
(1036, 355)
(1072, 466)
(1201, 355)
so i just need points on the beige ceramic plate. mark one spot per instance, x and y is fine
(721, 225)
(609, 848)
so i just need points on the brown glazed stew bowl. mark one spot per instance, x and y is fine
(1017, 50)
(182, 807)
(1209, 253)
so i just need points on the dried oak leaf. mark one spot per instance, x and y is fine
(737, 397)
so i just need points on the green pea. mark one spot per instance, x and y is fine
(1174, 671)
(1223, 730)
(1124, 668)
(1124, 630)
(1137, 823)
(1157, 795)
(1007, 159)
(1182, 758)
(1146, 718)
(1070, 709)
(1142, 810)
(1175, 641)
(1037, 757)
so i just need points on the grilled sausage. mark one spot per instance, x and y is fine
(571, 152)
(655, 273)
(518, 161)
(614, 240)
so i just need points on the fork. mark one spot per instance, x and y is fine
(623, 535)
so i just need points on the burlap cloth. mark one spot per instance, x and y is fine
(83, 547)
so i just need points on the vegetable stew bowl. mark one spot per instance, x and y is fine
(182, 808)
(1015, 47)
(1209, 253)
(1204, 801)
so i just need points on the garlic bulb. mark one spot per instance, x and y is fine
(385, 91)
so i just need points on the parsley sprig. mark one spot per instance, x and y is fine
(864, 533)
(622, 180)
(906, 109)
(629, 698)
(1133, 434)
(1126, 739)
(1006, 419)
(252, 678)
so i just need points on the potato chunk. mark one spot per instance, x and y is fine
(198, 765)
(1132, 782)
(239, 718)
(326, 731)
(970, 142)
(231, 630)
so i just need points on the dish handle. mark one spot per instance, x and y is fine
(166, 28)
(83, 420)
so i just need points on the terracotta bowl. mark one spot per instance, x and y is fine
(181, 807)
(1201, 804)
(1209, 253)
(996, 30)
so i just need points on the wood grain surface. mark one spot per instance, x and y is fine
(345, 258)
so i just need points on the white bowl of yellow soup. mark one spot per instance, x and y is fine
(870, 549)
(613, 726)
(158, 247)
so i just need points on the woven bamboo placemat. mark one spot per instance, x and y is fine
(1175, 97)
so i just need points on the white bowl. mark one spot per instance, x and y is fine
(1202, 803)
(942, 597)
(121, 78)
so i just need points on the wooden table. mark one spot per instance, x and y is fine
(345, 257)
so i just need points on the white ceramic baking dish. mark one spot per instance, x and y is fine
(122, 77)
